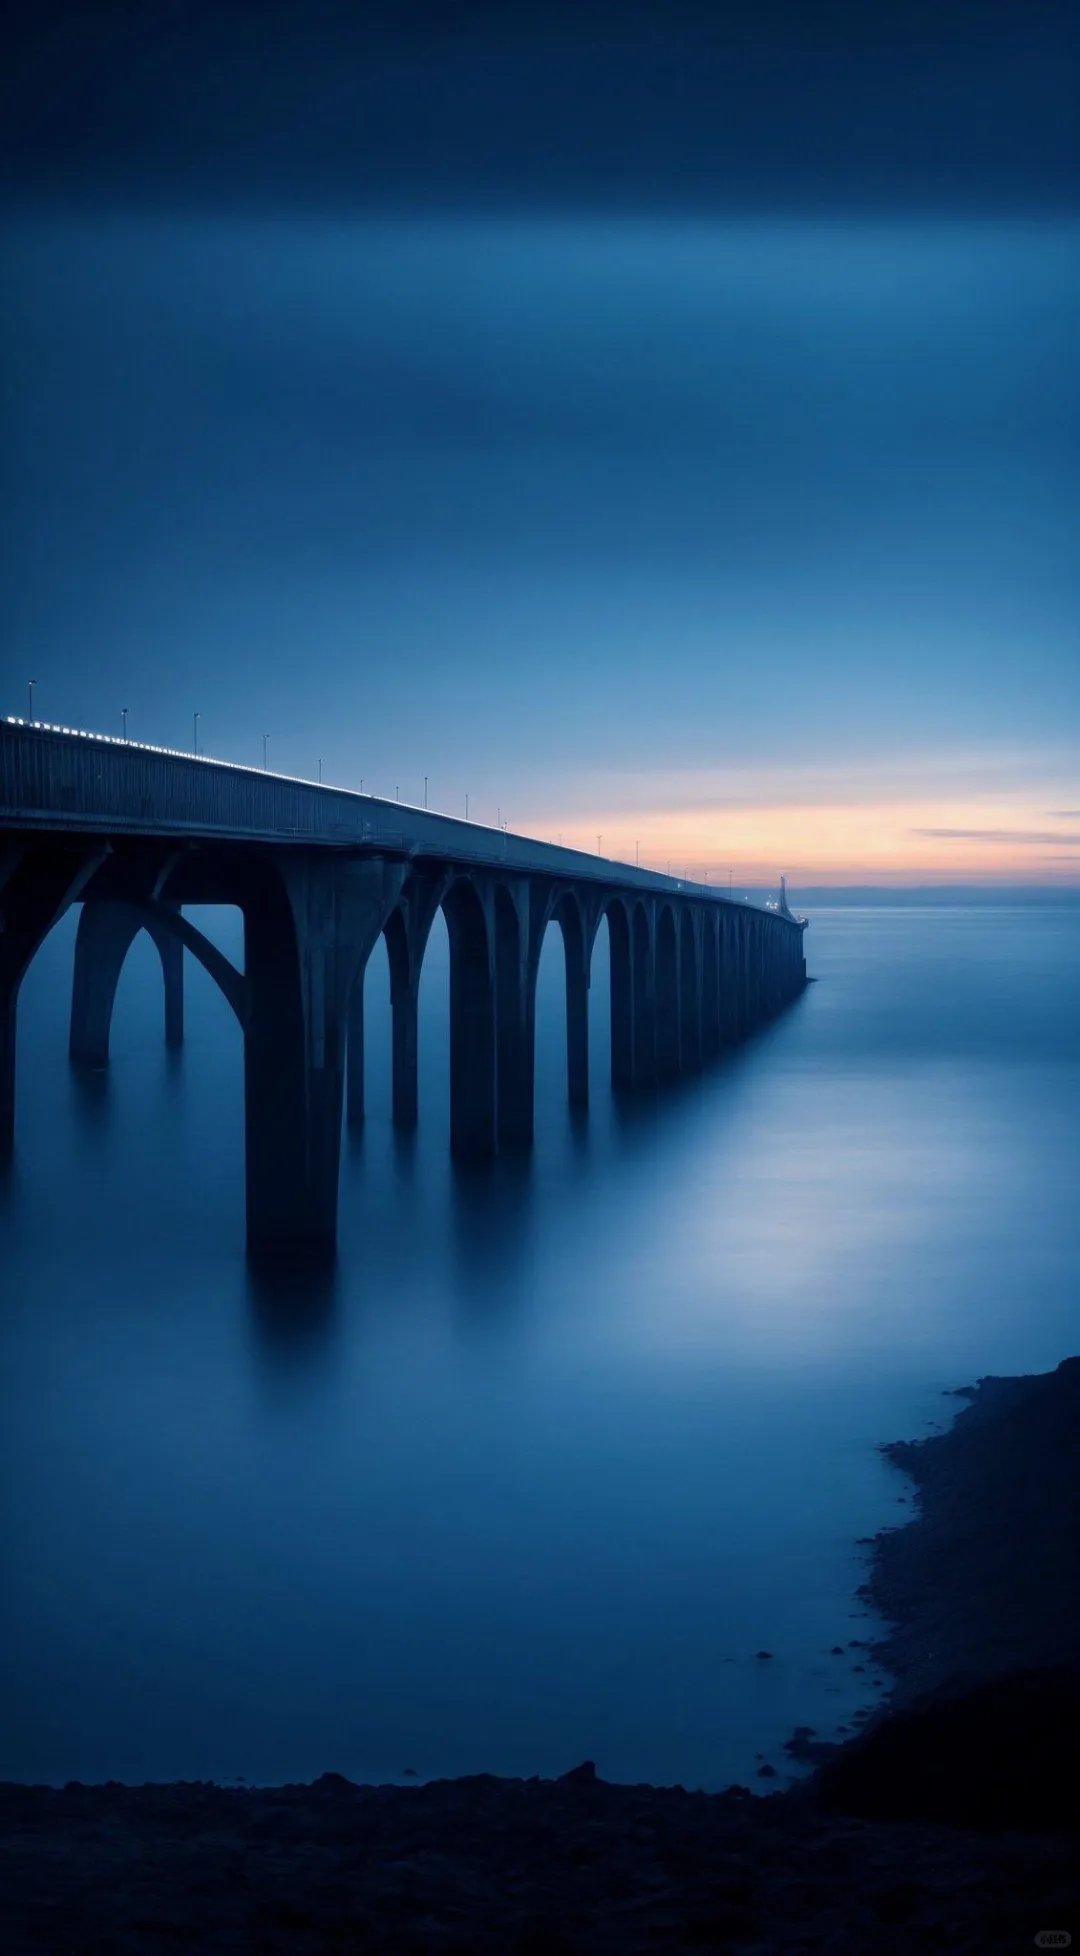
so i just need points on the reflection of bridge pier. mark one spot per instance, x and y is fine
(319, 876)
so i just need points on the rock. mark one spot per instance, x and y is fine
(583, 1775)
(1002, 1755)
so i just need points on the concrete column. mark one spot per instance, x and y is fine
(404, 1010)
(576, 965)
(516, 964)
(408, 928)
(710, 986)
(738, 998)
(38, 882)
(689, 992)
(107, 930)
(472, 1025)
(104, 937)
(622, 999)
(354, 1048)
(171, 953)
(666, 968)
(577, 1029)
(644, 1001)
(309, 928)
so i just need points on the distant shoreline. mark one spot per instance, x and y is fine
(916, 896)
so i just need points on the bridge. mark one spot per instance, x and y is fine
(134, 833)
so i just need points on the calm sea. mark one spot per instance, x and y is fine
(559, 1448)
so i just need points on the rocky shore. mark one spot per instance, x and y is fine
(946, 1826)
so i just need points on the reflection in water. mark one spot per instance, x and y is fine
(558, 1443)
(294, 1311)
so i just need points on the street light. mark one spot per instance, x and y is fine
(599, 840)
(123, 716)
(265, 739)
(466, 808)
(425, 791)
(195, 725)
(30, 684)
(637, 854)
(320, 768)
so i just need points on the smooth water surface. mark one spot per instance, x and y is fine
(559, 1447)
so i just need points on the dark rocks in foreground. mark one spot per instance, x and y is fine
(1004, 1754)
(490, 1867)
(986, 1579)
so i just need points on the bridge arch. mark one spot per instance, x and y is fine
(106, 931)
(616, 914)
(565, 909)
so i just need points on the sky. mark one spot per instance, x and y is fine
(660, 426)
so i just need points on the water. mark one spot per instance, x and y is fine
(557, 1449)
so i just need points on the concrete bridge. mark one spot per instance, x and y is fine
(133, 833)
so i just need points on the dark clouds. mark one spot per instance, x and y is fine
(702, 487)
(631, 107)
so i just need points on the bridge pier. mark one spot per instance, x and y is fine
(710, 989)
(107, 930)
(690, 1015)
(576, 961)
(666, 995)
(622, 998)
(644, 1014)
(307, 932)
(38, 883)
(472, 1025)
(354, 1057)
(516, 965)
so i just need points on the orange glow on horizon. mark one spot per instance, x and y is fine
(985, 840)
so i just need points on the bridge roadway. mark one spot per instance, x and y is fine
(134, 833)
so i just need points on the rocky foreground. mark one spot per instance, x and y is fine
(949, 1826)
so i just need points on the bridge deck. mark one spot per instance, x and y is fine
(62, 778)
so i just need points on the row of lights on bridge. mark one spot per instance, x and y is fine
(197, 716)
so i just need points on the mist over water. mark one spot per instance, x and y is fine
(560, 1445)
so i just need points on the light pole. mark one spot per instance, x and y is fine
(30, 684)
(425, 791)
(637, 854)
(729, 883)
(397, 794)
(195, 730)
(466, 808)
(123, 716)
(265, 739)
(320, 769)
(599, 840)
